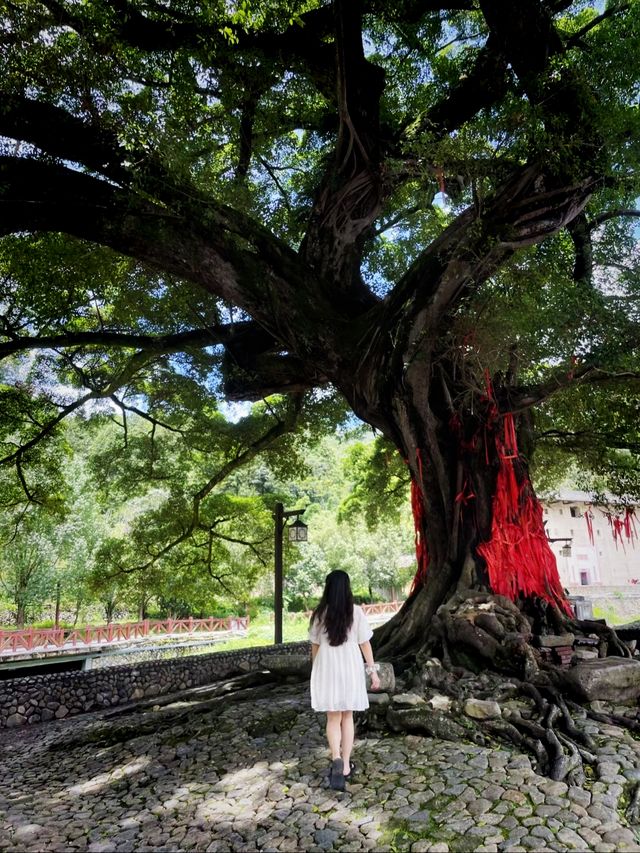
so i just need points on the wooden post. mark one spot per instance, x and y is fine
(57, 622)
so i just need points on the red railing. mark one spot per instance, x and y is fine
(43, 639)
(382, 607)
(377, 609)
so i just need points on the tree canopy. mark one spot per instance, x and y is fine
(424, 208)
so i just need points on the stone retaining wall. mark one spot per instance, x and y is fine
(39, 698)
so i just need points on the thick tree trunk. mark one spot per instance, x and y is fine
(478, 523)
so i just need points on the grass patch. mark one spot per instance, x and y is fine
(402, 834)
(611, 616)
(624, 802)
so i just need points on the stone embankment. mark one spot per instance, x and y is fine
(39, 698)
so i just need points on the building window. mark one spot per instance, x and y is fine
(575, 512)
(598, 532)
(584, 578)
(559, 512)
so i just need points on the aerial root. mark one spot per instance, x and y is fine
(506, 731)
(566, 747)
(581, 738)
(529, 690)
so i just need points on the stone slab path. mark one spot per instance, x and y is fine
(248, 773)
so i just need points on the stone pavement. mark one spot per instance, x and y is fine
(248, 772)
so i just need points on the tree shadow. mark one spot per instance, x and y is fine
(242, 774)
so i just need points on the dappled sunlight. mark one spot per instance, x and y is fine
(96, 783)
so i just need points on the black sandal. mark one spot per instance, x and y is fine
(336, 775)
(352, 770)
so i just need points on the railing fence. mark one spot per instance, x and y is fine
(28, 639)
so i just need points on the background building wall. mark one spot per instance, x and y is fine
(604, 563)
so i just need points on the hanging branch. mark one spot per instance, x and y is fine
(155, 422)
(576, 38)
(612, 214)
(132, 366)
(18, 455)
(586, 372)
(249, 544)
(283, 426)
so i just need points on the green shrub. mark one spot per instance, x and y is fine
(297, 604)
(260, 604)
(221, 609)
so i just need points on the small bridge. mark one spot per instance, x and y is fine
(44, 641)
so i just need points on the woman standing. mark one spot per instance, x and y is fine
(340, 634)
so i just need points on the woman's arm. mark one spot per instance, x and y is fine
(314, 651)
(367, 654)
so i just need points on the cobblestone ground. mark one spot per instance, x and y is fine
(250, 774)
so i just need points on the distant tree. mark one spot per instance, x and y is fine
(304, 577)
(28, 566)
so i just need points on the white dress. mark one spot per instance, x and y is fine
(337, 676)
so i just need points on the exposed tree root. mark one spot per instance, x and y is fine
(631, 723)
(483, 646)
(611, 643)
(633, 810)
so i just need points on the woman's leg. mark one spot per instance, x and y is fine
(334, 732)
(347, 731)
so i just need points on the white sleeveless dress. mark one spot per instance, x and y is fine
(337, 677)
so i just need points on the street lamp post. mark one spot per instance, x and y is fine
(297, 533)
(57, 618)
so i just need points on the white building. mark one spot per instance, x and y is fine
(600, 559)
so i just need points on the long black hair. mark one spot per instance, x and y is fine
(335, 609)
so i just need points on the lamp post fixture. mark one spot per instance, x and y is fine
(565, 551)
(297, 533)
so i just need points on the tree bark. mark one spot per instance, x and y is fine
(471, 494)
(21, 615)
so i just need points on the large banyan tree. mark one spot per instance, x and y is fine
(427, 205)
